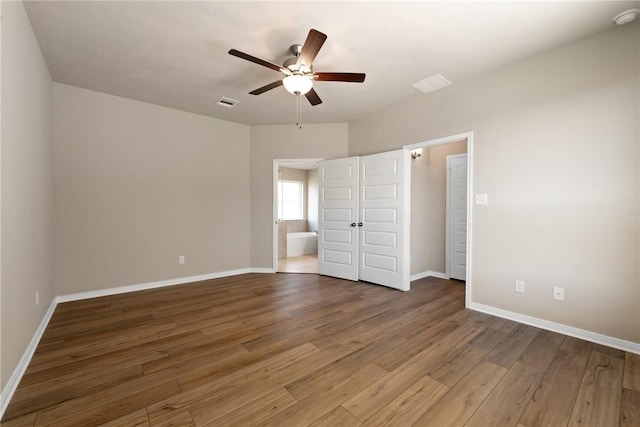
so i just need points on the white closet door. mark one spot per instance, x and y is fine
(337, 222)
(384, 214)
(457, 216)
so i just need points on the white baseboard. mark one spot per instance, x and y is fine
(23, 363)
(150, 285)
(429, 273)
(594, 337)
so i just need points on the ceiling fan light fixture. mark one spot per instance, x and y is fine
(297, 84)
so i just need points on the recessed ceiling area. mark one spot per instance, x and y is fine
(174, 53)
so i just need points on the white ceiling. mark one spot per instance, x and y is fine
(175, 53)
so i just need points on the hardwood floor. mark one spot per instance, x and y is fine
(308, 350)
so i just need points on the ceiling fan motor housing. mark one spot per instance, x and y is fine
(291, 63)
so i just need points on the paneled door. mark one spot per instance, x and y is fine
(364, 218)
(337, 218)
(384, 215)
(457, 216)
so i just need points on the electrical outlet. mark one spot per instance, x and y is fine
(37, 297)
(181, 259)
(482, 199)
(558, 294)
(519, 286)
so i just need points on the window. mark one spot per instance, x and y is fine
(290, 200)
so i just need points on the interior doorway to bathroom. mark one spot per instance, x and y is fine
(295, 245)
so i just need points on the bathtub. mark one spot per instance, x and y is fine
(303, 243)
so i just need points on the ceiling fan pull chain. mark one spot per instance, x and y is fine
(298, 111)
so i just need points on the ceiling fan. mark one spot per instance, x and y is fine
(298, 74)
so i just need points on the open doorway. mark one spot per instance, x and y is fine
(296, 216)
(441, 230)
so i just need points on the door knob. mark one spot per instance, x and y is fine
(353, 224)
(359, 224)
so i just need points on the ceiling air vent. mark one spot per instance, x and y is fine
(227, 102)
(431, 84)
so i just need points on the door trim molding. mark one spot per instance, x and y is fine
(445, 140)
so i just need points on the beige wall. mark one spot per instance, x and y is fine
(556, 141)
(27, 204)
(138, 185)
(428, 207)
(327, 141)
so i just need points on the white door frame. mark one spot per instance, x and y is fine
(277, 163)
(445, 140)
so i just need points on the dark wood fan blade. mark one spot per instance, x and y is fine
(313, 97)
(311, 47)
(255, 60)
(339, 77)
(265, 88)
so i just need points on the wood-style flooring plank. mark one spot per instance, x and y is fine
(74, 366)
(414, 345)
(379, 394)
(312, 362)
(462, 400)
(600, 394)
(338, 417)
(86, 411)
(456, 364)
(630, 408)
(226, 380)
(52, 393)
(177, 419)
(631, 378)
(407, 408)
(508, 399)
(508, 351)
(309, 409)
(207, 410)
(325, 376)
(246, 370)
(472, 324)
(552, 402)
(542, 350)
(22, 421)
(135, 419)
(194, 355)
(256, 411)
